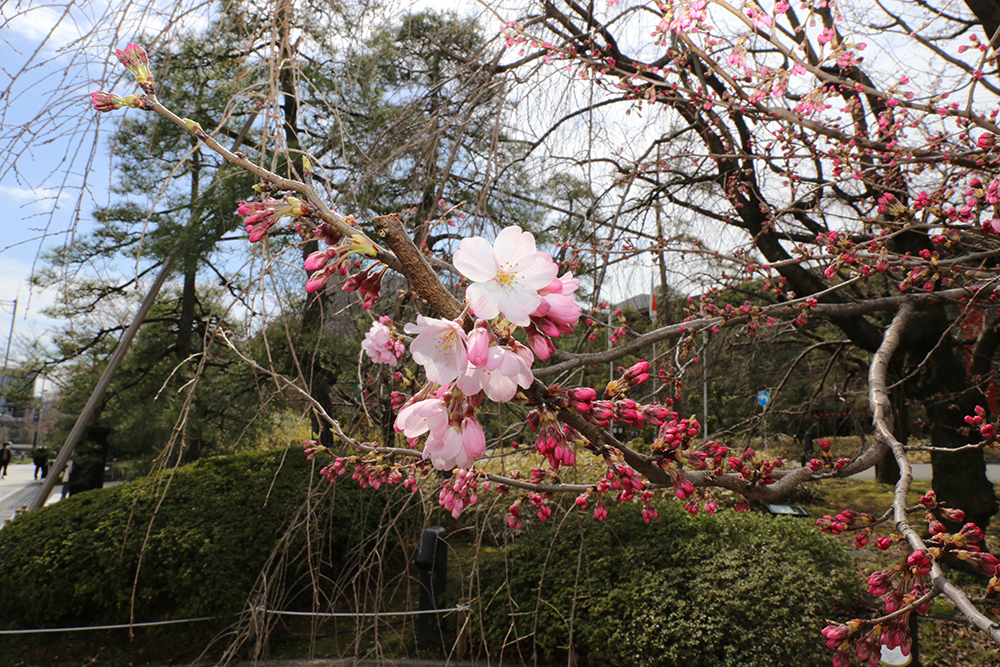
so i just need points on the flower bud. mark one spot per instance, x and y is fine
(136, 62)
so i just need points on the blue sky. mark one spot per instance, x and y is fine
(54, 166)
(51, 58)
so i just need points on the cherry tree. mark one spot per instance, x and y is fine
(857, 188)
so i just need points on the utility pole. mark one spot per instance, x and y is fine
(6, 356)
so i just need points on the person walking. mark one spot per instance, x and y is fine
(5, 456)
(40, 455)
(67, 474)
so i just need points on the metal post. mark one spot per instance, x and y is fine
(39, 412)
(432, 561)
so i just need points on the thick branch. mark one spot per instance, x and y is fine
(878, 397)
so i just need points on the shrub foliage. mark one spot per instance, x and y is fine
(190, 542)
(709, 591)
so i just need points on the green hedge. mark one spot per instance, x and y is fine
(219, 520)
(712, 591)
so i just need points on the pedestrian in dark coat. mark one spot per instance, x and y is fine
(5, 456)
(40, 455)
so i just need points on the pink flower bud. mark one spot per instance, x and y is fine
(317, 260)
(478, 344)
(133, 57)
(102, 101)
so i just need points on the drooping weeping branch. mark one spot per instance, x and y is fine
(878, 398)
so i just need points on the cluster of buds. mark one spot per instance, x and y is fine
(324, 264)
(844, 521)
(369, 472)
(262, 215)
(102, 101)
(648, 511)
(630, 412)
(555, 442)
(704, 500)
(851, 520)
(581, 399)
(514, 519)
(460, 491)
(987, 431)
(539, 501)
(889, 205)
(754, 468)
(134, 58)
(631, 377)
(369, 285)
(600, 511)
(869, 643)
(622, 478)
(909, 594)
(675, 435)
(911, 574)
(963, 545)
(711, 455)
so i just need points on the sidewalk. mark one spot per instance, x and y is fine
(18, 488)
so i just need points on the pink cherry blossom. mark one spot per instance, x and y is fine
(457, 446)
(499, 378)
(439, 347)
(429, 415)
(380, 346)
(506, 275)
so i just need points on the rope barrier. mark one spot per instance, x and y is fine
(463, 607)
(108, 627)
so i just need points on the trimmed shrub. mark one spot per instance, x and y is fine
(712, 591)
(193, 545)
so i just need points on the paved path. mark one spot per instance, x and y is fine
(922, 472)
(18, 488)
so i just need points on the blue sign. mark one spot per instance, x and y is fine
(762, 398)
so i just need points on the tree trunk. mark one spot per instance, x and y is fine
(959, 478)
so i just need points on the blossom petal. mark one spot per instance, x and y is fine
(475, 259)
(541, 273)
(482, 299)
(517, 305)
(512, 244)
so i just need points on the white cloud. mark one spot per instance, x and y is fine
(42, 197)
(39, 22)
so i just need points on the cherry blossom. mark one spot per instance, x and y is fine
(456, 446)
(379, 344)
(439, 347)
(499, 378)
(419, 417)
(506, 275)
